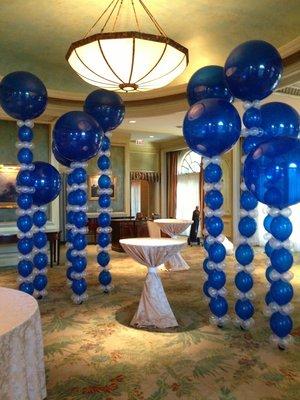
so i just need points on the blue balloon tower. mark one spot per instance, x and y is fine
(108, 110)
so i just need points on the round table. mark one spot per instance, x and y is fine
(173, 227)
(21, 347)
(154, 308)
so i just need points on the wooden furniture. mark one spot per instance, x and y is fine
(53, 239)
(126, 228)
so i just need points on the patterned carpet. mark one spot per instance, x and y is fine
(91, 353)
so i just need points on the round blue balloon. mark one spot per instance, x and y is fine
(251, 142)
(252, 118)
(79, 286)
(279, 119)
(282, 260)
(217, 252)
(24, 201)
(25, 134)
(70, 235)
(267, 223)
(248, 201)
(103, 258)
(247, 226)
(268, 298)
(105, 145)
(211, 127)
(253, 70)
(272, 172)
(214, 199)
(212, 173)
(24, 223)
(79, 264)
(40, 282)
(218, 306)
(59, 158)
(69, 273)
(105, 278)
(79, 241)
(70, 217)
(80, 219)
(103, 239)
(104, 219)
(281, 228)
(24, 178)
(25, 156)
(23, 95)
(25, 268)
(216, 279)
(77, 136)
(207, 83)
(27, 287)
(78, 176)
(206, 289)
(106, 107)
(69, 255)
(206, 245)
(244, 309)
(214, 225)
(244, 254)
(104, 200)
(269, 270)
(40, 260)
(281, 324)
(268, 249)
(39, 218)
(282, 292)
(103, 162)
(77, 197)
(205, 266)
(25, 245)
(243, 281)
(40, 239)
(104, 182)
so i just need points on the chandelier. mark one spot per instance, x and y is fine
(127, 61)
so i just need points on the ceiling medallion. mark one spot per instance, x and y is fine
(127, 61)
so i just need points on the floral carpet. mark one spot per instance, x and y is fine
(92, 353)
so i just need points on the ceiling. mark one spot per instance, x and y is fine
(35, 34)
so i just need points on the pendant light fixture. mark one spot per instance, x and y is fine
(127, 61)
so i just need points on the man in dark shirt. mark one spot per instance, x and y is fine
(195, 226)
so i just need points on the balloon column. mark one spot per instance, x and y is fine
(252, 71)
(211, 127)
(23, 96)
(108, 110)
(76, 138)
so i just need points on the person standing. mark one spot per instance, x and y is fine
(195, 226)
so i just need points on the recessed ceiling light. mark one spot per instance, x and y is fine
(132, 121)
(151, 136)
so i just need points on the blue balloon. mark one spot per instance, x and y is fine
(206, 288)
(77, 136)
(272, 172)
(25, 268)
(23, 95)
(24, 201)
(46, 181)
(69, 273)
(243, 281)
(59, 158)
(105, 278)
(25, 134)
(104, 219)
(244, 254)
(104, 200)
(251, 142)
(279, 119)
(25, 245)
(79, 241)
(79, 286)
(40, 260)
(281, 292)
(103, 239)
(103, 258)
(247, 226)
(206, 83)
(40, 282)
(103, 162)
(24, 178)
(70, 217)
(252, 118)
(206, 245)
(70, 235)
(39, 218)
(214, 199)
(211, 127)
(77, 197)
(253, 70)
(281, 228)
(80, 219)
(248, 201)
(205, 266)
(282, 260)
(268, 298)
(24, 223)
(212, 173)
(105, 145)
(269, 270)
(79, 264)
(40, 239)
(281, 324)
(214, 225)
(267, 223)
(27, 287)
(217, 252)
(69, 255)
(78, 176)
(104, 182)
(216, 279)
(268, 249)
(25, 156)
(218, 306)
(244, 309)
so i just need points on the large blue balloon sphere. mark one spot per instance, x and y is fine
(59, 158)
(46, 181)
(279, 119)
(212, 173)
(105, 278)
(207, 83)
(217, 279)
(103, 258)
(281, 228)
(214, 199)
(244, 309)
(272, 172)
(247, 226)
(251, 142)
(214, 225)
(282, 259)
(218, 306)
(217, 252)
(282, 292)
(281, 324)
(106, 107)
(243, 281)
(23, 95)
(248, 200)
(244, 254)
(211, 127)
(253, 70)
(77, 136)
(79, 286)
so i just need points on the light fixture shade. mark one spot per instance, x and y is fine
(127, 61)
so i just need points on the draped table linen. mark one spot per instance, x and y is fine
(173, 228)
(154, 308)
(22, 371)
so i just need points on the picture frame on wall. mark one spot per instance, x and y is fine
(8, 191)
(93, 188)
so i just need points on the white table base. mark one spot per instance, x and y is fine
(176, 263)
(154, 308)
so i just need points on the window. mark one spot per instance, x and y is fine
(189, 163)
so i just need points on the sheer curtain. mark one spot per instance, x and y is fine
(135, 197)
(187, 196)
(172, 161)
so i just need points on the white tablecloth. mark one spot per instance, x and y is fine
(173, 227)
(154, 308)
(22, 371)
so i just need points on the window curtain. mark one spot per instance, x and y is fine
(201, 198)
(135, 197)
(172, 160)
